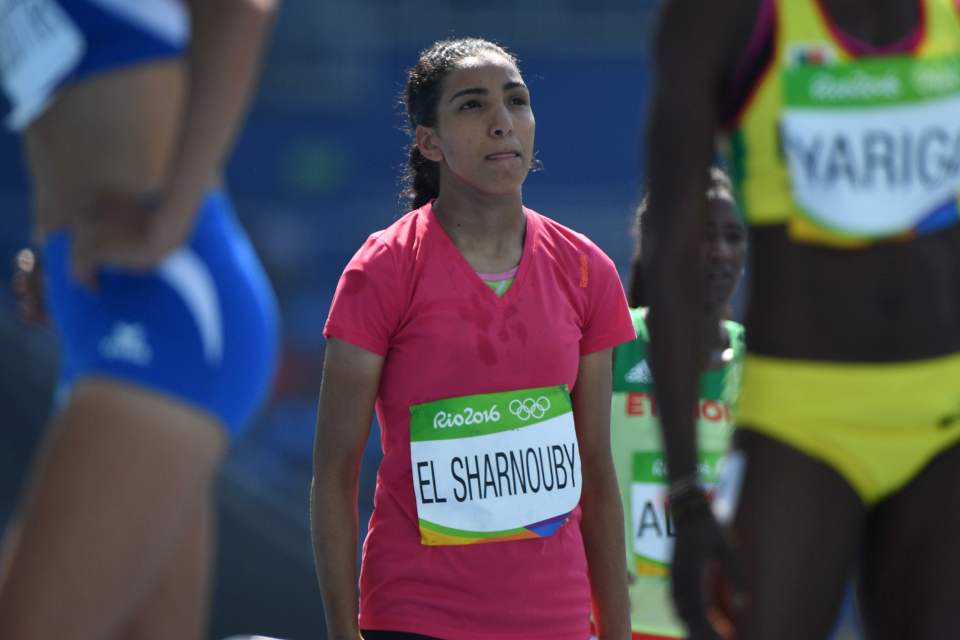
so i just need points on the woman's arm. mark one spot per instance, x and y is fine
(694, 47)
(602, 524)
(227, 43)
(351, 377)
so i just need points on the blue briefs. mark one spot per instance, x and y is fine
(201, 327)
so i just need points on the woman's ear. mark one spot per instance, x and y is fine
(427, 143)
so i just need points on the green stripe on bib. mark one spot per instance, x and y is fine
(651, 466)
(871, 82)
(486, 414)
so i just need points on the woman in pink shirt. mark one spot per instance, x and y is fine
(481, 332)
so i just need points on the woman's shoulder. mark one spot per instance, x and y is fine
(736, 338)
(399, 243)
(734, 330)
(404, 231)
(390, 253)
(561, 239)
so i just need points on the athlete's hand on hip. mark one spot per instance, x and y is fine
(120, 230)
(27, 284)
(707, 588)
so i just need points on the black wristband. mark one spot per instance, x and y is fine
(687, 501)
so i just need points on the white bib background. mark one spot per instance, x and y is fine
(39, 46)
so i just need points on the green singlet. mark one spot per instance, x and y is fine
(641, 466)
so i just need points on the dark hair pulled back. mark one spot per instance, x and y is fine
(719, 187)
(421, 180)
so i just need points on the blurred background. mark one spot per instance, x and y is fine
(315, 170)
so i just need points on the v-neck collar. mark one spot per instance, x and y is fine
(445, 243)
(857, 47)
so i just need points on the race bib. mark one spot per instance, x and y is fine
(873, 146)
(651, 524)
(494, 467)
(39, 46)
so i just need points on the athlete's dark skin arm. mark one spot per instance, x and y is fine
(602, 523)
(351, 377)
(692, 51)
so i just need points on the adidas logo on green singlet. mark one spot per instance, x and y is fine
(639, 373)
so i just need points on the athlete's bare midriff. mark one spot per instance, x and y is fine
(890, 302)
(113, 132)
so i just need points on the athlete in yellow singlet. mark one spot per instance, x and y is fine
(841, 123)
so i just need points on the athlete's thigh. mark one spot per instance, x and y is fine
(178, 605)
(910, 574)
(797, 527)
(115, 487)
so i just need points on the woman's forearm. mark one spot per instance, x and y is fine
(680, 147)
(228, 38)
(602, 528)
(334, 529)
(351, 377)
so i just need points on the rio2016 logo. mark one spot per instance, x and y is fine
(444, 420)
(529, 408)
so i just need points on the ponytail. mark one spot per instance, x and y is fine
(422, 179)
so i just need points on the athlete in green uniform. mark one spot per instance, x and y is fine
(635, 430)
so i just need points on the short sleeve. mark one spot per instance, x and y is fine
(367, 305)
(608, 320)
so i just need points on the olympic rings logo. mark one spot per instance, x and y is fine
(529, 408)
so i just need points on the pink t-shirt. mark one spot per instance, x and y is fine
(409, 295)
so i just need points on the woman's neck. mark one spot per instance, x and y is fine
(878, 23)
(488, 230)
(715, 338)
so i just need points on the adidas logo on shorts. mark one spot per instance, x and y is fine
(127, 341)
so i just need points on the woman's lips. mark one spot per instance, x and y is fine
(720, 280)
(502, 155)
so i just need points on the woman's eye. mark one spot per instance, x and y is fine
(518, 100)
(470, 104)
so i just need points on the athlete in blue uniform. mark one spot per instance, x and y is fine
(166, 321)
